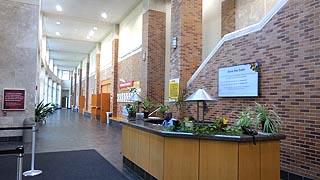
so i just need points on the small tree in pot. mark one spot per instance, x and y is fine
(43, 110)
(132, 110)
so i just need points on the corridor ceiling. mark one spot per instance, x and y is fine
(67, 31)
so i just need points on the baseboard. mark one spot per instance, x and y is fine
(11, 139)
(284, 175)
(140, 172)
(87, 114)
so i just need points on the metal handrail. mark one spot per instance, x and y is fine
(19, 151)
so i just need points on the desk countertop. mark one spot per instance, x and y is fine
(163, 131)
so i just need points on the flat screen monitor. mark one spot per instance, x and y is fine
(238, 81)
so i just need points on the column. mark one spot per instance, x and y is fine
(114, 83)
(59, 95)
(98, 88)
(42, 79)
(49, 91)
(87, 83)
(45, 90)
(186, 34)
(80, 81)
(54, 93)
(153, 49)
(186, 27)
(74, 98)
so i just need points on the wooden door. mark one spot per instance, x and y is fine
(105, 106)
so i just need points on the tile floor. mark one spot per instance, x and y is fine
(66, 130)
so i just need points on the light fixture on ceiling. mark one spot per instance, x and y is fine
(58, 22)
(88, 37)
(95, 28)
(58, 7)
(58, 33)
(91, 33)
(104, 15)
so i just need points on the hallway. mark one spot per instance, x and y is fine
(67, 131)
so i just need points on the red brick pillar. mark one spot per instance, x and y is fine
(186, 26)
(80, 81)
(98, 87)
(153, 49)
(87, 83)
(228, 17)
(75, 89)
(114, 83)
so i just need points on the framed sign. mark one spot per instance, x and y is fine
(238, 81)
(174, 88)
(14, 99)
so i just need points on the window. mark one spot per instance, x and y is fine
(65, 75)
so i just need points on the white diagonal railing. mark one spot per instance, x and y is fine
(236, 34)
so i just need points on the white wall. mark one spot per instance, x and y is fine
(84, 69)
(106, 52)
(249, 12)
(93, 57)
(130, 35)
(211, 25)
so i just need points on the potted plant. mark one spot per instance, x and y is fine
(244, 119)
(42, 111)
(131, 109)
(269, 120)
(146, 106)
(187, 122)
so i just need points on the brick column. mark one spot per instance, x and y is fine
(228, 17)
(80, 82)
(115, 80)
(87, 83)
(186, 26)
(98, 86)
(75, 89)
(154, 40)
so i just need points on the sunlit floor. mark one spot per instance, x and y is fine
(66, 131)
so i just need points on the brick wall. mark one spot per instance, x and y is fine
(228, 20)
(288, 48)
(98, 86)
(154, 41)
(115, 76)
(132, 68)
(186, 25)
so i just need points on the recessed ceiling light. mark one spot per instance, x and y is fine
(88, 37)
(104, 15)
(58, 34)
(95, 28)
(91, 33)
(58, 22)
(58, 8)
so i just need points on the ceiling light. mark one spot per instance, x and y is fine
(58, 34)
(88, 37)
(95, 28)
(104, 15)
(58, 8)
(91, 33)
(58, 22)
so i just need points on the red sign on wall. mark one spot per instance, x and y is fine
(14, 99)
(126, 84)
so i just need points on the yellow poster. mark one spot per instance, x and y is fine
(174, 88)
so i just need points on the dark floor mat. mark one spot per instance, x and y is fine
(68, 165)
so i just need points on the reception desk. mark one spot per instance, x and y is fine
(183, 156)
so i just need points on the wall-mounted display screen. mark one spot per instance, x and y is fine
(238, 81)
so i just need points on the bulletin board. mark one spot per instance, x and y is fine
(14, 99)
